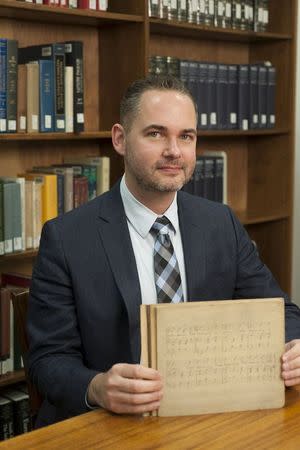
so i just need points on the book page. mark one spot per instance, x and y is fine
(220, 356)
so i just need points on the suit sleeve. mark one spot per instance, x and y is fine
(255, 280)
(55, 360)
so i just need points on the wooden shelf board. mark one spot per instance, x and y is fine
(165, 27)
(13, 9)
(246, 220)
(237, 133)
(95, 135)
(18, 255)
(86, 135)
(12, 377)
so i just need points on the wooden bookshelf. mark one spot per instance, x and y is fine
(117, 46)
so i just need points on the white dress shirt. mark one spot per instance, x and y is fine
(140, 220)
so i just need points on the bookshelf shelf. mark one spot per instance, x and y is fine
(245, 220)
(183, 29)
(86, 135)
(12, 378)
(12, 9)
(18, 255)
(241, 133)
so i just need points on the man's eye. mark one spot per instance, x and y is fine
(153, 133)
(186, 137)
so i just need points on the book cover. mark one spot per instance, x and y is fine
(6, 419)
(253, 96)
(222, 96)
(271, 97)
(216, 356)
(213, 120)
(12, 85)
(243, 96)
(46, 95)
(69, 100)
(32, 99)
(262, 95)
(74, 58)
(221, 184)
(21, 410)
(67, 173)
(232, 104)
(22, 98)
(3, 85)
(202, 101)
(29, 217)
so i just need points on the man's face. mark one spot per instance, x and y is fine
(160, 148)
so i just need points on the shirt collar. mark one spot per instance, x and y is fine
(141, 217)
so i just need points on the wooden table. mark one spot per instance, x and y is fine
(267, 429)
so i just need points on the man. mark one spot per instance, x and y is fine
(95, 265)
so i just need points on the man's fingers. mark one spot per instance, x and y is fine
(125, 398)
(136, 409)
(136, 371)
(292, 350)
(292, 364)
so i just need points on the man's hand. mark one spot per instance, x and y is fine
(127, 389)
(291, 363)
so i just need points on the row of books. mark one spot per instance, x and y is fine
(237, 14)
(228, 96)
(41, 87)
(96, 5)
(30, 199)
(14, 412)
(209, 179)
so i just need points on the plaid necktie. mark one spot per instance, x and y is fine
(167, 275)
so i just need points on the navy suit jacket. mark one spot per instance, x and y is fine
(85, 294)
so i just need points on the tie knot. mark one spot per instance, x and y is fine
(162, 225)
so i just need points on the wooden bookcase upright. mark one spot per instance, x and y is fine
(117, 46)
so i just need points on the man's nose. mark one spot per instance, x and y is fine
(172, 148)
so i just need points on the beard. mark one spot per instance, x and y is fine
(150, 179)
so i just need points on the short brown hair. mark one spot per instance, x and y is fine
(130, 102)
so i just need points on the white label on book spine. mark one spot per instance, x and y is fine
(211, 7)
(260, 15)
(204, 119)
(40, 2)
(251, 13)
(60, 124)
(220, 9)
(272, 119)
(8, 246)
(174, 4)
(154, 2)
(73, 3)
(183, 4)
(1, 248)
(238, 11)
(245, 124)
(35, 122)
(103, 5)
(17, 244)
(213, 118)
(233, 118)
(48, 121)
(22, 123)
(255, 118)
(247, 12)
(228, 10)
(202, 6)
(93, 4)
(12, 125)
(194, 6)
(80, 117)
(63, 3)
(263, 119)
(29, 242)
(266, 17)
(2, 124)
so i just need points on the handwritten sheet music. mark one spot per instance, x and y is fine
(222, 356)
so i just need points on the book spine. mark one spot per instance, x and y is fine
(22, 416)
(209, 182)
(199, 177)
(12, 85)
(1, 219)
(46, 83)
(16, 217)
(202, 12)
(193, 79)
(219, 173)
(222, 95)
(193, 11)
(271, 93)
(22, 102)
(59, 83)
(60, 194)
(243, 96)
(74, 58)
(4, 323)
(153, 8)
(232, 104)
(253, 96)
(262, 96)
(220, 14)
(29, 213)
(182, 10)
(6, 419)
(209, 16)
(21, 182)
(8, 217)
(102, 5)
(212, 96)
(3, 85)
(228, 13)
(202, 102)
(37, 213)
(88, 4)
(69, 99)
(32, 97)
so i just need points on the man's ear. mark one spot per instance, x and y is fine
(118, 138)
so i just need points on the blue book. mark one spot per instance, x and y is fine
(46, 95)
(3, 85)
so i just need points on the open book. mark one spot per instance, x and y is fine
(216, 356)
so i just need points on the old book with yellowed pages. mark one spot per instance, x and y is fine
(216, 356)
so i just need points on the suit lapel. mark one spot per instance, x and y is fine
(192, 228)
(116, 241)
